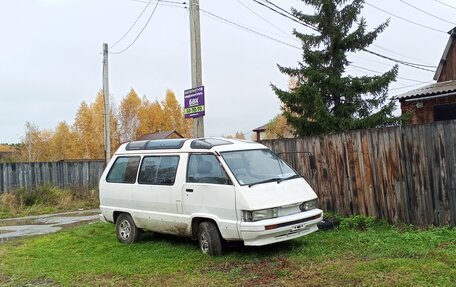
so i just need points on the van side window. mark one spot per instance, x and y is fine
(205, 168)
(158, 170)
(124, 170)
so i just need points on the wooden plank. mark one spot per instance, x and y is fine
(368, 191)
(450, 148)
(440, 176)
(390, 163)
(381, 171)
(361, 174)
(337, 159)
(354, 168)
(332, 201)
(400, 178)
(2, 180)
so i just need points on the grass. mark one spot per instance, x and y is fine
(45, 199)
(369, 253)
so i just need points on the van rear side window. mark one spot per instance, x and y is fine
(124, 170)
(158, 170)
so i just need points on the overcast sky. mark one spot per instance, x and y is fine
(50, 56)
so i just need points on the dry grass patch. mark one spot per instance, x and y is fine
(46, 199)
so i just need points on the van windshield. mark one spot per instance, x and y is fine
(252, 167)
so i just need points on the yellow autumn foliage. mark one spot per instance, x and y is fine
(84, 139)
(5, 148)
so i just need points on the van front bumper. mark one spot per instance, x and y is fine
(279, 229)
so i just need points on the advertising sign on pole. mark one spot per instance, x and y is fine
(194, 103)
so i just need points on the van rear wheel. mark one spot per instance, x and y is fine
(209, 239)
(126, 229)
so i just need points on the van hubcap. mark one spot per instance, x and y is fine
(125, 230)
(204, 244)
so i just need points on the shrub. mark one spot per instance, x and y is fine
(45, 194)
(360, 222)
(10, 201)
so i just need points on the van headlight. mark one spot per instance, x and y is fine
(261, 214)
(308, 205)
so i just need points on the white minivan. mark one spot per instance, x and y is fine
(209, 189)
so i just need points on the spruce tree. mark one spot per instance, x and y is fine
(326, 99)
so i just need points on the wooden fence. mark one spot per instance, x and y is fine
(402, 174)
(74, 174)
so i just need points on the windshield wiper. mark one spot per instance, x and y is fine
(287, 178)
(277, 179)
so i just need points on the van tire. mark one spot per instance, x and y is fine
(126, 229)
(209, 239)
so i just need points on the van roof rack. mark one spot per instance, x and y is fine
(156, 144)
(201, 143)
(208, 143)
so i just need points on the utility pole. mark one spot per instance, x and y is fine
(195, 49)
(107, 125)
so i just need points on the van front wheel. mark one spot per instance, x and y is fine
(209, 239)
(126, 229)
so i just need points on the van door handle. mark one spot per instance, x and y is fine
(189, 190)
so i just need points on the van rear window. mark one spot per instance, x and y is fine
(124, 170)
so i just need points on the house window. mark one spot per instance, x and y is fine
(445, 112)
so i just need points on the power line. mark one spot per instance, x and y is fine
(250, 30)
(284, 10)
(368, 59)
(410, 64)
(173, 4)
(409, 86)
(398, 54)
(253, 31)
(377, 72)
(140, 32)
(264, 19)
(427, 13)
(448, 5)
(282, 34)
(162, 1)
(413, 65)
(358, 55)
(218, 18)
(404, 19)
(287, 16)
(270, 38)
(134, 23)
(247, 29)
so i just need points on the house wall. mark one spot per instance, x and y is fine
(449, 68)
(174, 136)
(260, 135)
(426, 113)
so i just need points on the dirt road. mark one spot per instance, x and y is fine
(44, 224)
